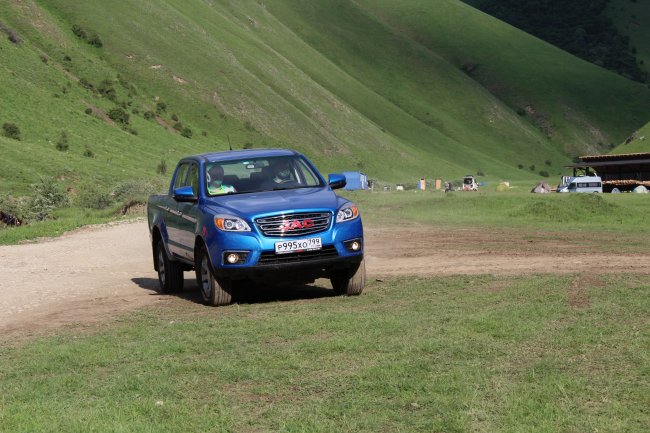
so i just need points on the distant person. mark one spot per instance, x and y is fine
(215, 182)
(448, 187)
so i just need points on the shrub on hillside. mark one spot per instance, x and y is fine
(186, 132)
(162, 167)
(88, 110)
(79, 31)
(48, 195)
(161, 107)
(107, 89)
(86, 84)
(544, 173)
(88, 153)
(174, 117)
(91, 196)
(149, 114)
(95, 41)
(62, 143)
(135, 190)
(11, 130)
(14, 206)
(92, 38)
(11, 34)
(118, 115)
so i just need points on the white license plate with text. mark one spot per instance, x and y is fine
(297, 246)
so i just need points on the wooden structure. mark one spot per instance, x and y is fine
(625, 171)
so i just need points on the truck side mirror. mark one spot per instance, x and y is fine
(336, 181)
(184, 193)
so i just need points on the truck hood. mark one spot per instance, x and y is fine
(292, 200)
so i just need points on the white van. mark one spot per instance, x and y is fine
(582, 184)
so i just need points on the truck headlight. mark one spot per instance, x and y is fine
(348, 212)
(228, 223)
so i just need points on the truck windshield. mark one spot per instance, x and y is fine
(259, 174)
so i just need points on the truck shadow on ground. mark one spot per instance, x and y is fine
(247, 293)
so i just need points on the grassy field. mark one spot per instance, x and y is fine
(516, 209)
(481, 353)
(539, 353)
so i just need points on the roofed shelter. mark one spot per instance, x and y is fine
(624, 171)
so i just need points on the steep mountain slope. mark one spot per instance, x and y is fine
(376, 86)
(583, 28)
(580, 105)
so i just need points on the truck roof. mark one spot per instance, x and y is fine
(230, 155)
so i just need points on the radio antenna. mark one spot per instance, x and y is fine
(229, 145)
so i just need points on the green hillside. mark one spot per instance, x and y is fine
(377, 86)
(637, 142)
(580, 106)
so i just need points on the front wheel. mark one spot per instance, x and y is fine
(215, 292)
(350, 284)
(170, 273)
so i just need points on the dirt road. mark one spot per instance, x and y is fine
(97, 272)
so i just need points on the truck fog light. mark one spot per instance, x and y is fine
(355, 246)
(232, 258)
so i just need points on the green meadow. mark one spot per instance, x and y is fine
(453, 354)
(535, 353)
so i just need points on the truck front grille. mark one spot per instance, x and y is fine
(297, 224)
(270, 258)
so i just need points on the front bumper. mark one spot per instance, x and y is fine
(262, 264)
(297, 271)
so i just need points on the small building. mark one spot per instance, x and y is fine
(355, 180)
(624, 171)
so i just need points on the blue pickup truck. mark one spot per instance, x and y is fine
(260, 216)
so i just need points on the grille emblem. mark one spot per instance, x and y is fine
(296, 224)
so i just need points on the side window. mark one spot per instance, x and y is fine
(193, 179)
(181, 175)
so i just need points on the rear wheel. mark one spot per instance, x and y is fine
(170, 273)
(350, 283)
(215, 292)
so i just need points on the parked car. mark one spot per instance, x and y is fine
(254, 215)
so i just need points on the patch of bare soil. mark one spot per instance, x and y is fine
(98, 272)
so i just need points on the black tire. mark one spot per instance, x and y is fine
(350, 283)
(170, 273)
(214, 292)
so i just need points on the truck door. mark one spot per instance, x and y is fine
(187, 216)
(172, 218)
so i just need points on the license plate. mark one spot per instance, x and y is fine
(310, 244)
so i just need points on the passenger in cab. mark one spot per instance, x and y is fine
(215, 182)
